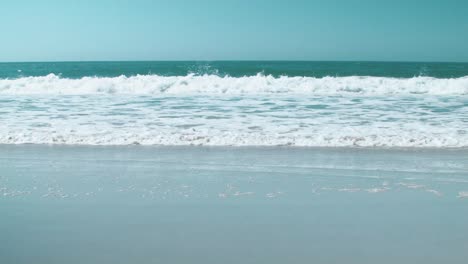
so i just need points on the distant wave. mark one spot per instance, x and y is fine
(214, 84)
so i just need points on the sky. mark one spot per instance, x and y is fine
(364, 30)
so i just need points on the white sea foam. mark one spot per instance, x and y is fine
(213, 84)
(227, 111)
(435, 192)
(377, 190)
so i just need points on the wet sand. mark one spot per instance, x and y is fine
(70, 204)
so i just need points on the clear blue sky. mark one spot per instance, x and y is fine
(411, 30)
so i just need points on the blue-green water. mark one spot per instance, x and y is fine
(316, 104)
(235, 69)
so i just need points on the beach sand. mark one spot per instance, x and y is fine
(135, 204)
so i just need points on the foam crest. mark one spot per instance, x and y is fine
(214, 84)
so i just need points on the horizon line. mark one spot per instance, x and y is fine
(241, 60)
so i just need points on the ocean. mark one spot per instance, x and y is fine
(233, 162)
(313, 104)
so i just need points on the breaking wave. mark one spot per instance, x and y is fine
(214, 84)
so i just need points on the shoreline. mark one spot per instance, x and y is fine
(244, 147)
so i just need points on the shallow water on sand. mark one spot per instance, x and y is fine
(69, 204)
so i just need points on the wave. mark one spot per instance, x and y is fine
(214, 84)
(216, 138)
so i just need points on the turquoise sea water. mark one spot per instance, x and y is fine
(235, 69)
(316, 104)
